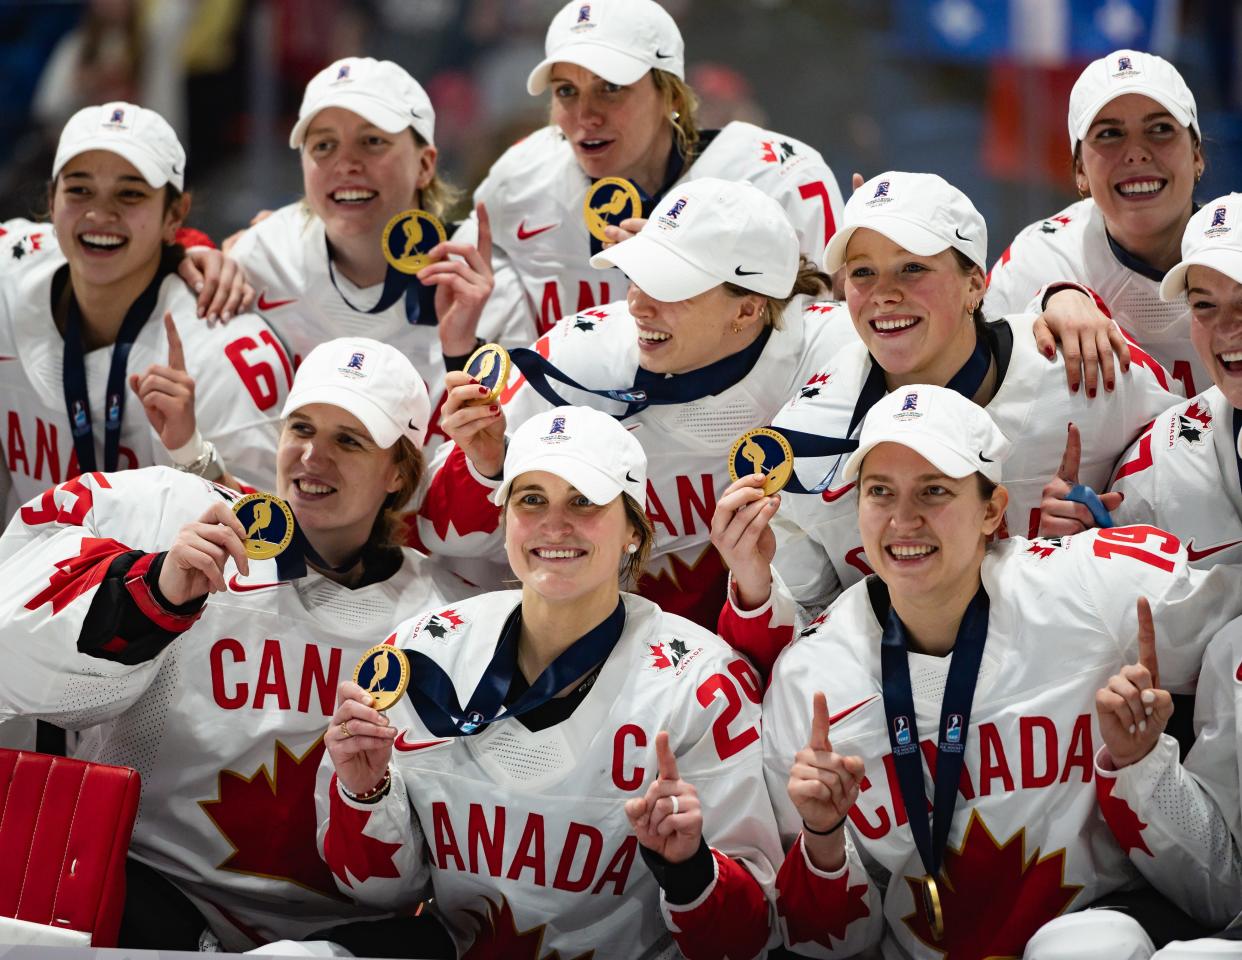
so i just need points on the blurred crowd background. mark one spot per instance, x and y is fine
(975, 90)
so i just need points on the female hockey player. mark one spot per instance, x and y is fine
(131, 610)
(572, 770)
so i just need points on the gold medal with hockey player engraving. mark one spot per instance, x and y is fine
(268, 522)
(490, 366)
(409, 238)
(609, 201)
(932, 909)
(384, 673)
(762, 451)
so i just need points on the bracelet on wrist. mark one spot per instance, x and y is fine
(192, 451)
(824, 833)
(374, 795)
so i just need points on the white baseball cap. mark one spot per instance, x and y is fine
(586, 448)
(1213, 238)
(954, 434)
(141, 136)
(619, 40)
(920, 212)
(379, 91)
(371, 380)
(1129, 71)
(706, 232)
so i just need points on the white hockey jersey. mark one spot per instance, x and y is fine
(1182, 825)
(687, 444)
(241, 378)
(1074, 245)
(1181, 475)
(225, 725)
(818, 547)
(522, 835)
(535, 192)
(1026, 842)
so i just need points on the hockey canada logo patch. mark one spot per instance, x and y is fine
(812, 387)
(674, 654)
(1192, 425)
(1044, 547)
(442, 626)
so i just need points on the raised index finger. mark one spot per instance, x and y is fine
(1147, 641)
(1068, 471)
(485, 235)
(664, 757)
(176, 355)
(819, 723)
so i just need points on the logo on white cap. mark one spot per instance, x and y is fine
(909, 407)
(353, 366)
(583, 20)
(116, 119)
(881, 193)
(556, 432)
(1125, 68)
(1218, 226)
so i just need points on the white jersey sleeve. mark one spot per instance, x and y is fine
(1181, 825)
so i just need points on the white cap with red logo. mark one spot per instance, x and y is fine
(706, 232)
(1213, 238)
(141, 136)
(619, 40)
(372, 380)
(379, 91)
(585, 447)
(952, 433)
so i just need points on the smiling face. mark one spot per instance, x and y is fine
(110, 223)
(614, 131)
(690, 334)
(913, 312)
(1140, 165)
(1216, 327)
(563, 547)
(923, 532)
(333, 475)
(357, 177)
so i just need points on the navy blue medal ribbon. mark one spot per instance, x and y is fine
(1237, 428)
(431, 689)
(966, 381)
(649, 388)
(77, 398)
(420, 301)
(903, 735)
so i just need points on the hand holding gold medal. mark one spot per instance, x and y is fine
(608, 202)
(194, 565)
(359, 737)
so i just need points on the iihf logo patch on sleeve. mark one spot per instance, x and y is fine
(489, 365)
(762, 452)
(384, 673)
(608, 202)
(409, 238)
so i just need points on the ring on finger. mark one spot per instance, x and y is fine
(676, 805)
(345, 732)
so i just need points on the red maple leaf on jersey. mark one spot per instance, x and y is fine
(661, 659)
(1042, 551)
(694, 592)
(1122, 820)
(445, 504)
(1020, 895)
(452, 617)
(350, 853)
(817, 909)
(499, 938)
(270, 820)
(73, 576)
(1196, 411)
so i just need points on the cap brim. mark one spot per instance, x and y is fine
(370, 109)
(657, 270)
(140, 158)
(1225, 260)
(905, 233)
(383, 429)
(1089, 113)
(944, 458)
(584, 477)
(613, 65)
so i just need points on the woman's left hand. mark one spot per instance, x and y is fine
(462, 287)
(219, 280)
(617, 232)
(668, 820)
(1059, 517)
(167, 393)
(1087, 337)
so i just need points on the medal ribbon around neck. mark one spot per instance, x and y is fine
(406, 239)
(432, 693)
(903, 734)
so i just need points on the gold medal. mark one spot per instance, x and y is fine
(762, 451)
(384, 673)
(269, 524)
(408, 238)
(608, 202)
(490, 366)
(931, 908)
